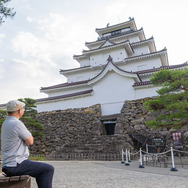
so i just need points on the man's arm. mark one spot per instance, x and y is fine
(29, 140)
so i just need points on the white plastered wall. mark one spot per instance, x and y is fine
(111, 92)
(143, 64)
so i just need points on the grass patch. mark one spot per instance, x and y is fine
(37, 158)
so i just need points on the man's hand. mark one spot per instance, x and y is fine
(29, 140)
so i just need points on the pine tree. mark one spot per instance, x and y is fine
(5, 11)
(172, 102)
(29, 118)
(3, 115)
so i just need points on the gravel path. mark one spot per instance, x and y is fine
(113, 174)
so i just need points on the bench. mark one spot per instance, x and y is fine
(23, 181)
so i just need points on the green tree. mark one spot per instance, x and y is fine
(29, 117)
(171, 106)
(3, 114)
(5, 11)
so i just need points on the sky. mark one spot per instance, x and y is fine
(44, 35)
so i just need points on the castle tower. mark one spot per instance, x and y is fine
(116, 67)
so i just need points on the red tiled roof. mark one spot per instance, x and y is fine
(103, 47)
(144, 55)
(156, 69)
(161, 68)
(142, 83)
(65, 96)
(137, 72)
(64, 85)
(119, 24)
(117, 68)
(78, 68)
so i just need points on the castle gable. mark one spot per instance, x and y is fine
(112, 67)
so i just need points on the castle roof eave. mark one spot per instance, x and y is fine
(150, 41)
(88, 52)
(109, 67)
(148, 55)
(63, 85)
(142, 83)
(63, 97)
(127, 42)
(173, 67)
(148, 83)
(121, 62)
(91, 81)
(88, 44)
(130, 23)
(65, 72)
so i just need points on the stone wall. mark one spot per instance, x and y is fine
(76, 131)
(82, 130)
(133, 117)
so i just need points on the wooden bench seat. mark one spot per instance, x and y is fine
(23, 181)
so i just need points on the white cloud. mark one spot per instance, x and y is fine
(55, 38)
(1, 67)
(59, 31)
(115, 9)
(29, 19)
(26, 43)
(2, 35)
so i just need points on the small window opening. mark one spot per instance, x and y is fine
(109, 127)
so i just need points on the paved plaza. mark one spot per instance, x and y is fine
(113, 174)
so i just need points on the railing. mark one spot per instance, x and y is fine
(114, 35)
(82, 156)
(174, 158)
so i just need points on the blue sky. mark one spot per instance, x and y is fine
(44, 36)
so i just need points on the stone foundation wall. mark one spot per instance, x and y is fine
(133, 117)
(76, 131)
(82, 131)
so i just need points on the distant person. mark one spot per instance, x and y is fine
(15, 139)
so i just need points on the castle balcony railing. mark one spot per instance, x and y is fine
(115, 34)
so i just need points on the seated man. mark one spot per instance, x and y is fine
(15, 139)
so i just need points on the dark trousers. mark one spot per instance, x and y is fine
(41, 171)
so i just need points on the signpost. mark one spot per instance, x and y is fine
(158, 142)
(177, 140)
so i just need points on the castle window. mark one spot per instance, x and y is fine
(117, 32)
(109, 127)
(126, 29)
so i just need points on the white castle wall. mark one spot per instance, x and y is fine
(84, 62)
(142, 64)
(129, 66)
(139, 50)
(67, 91)
(111, 92)
(145, 92)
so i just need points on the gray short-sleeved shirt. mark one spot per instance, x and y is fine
(13, 147)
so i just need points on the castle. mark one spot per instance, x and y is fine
(116, 67)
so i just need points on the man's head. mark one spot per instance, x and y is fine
(15, 107)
